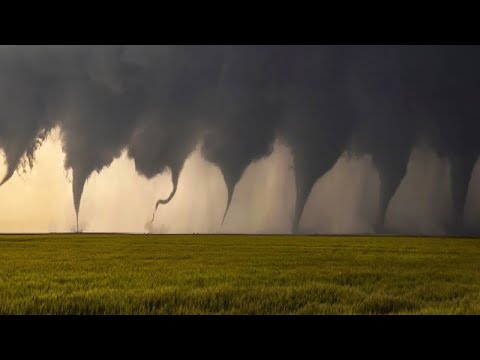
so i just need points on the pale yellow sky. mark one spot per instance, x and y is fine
(119, 200)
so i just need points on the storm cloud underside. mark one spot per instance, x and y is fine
(160, 103)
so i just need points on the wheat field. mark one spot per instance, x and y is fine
(237, 274)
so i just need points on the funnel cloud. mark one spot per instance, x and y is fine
(232, 104)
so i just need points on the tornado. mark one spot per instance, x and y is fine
(448, 99)
(316, 118)
(160, 102)
(305, 179)
(8, 175)
(243, 125)
(230, 188)
(461, 172)
(78, 184)
(175, 176)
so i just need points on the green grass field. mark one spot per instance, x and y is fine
(209, 274)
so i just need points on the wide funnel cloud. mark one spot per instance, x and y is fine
(161, 102)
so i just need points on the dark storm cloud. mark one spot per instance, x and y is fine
(24, 89)
(246, 112)
(404, 95)
(316, 119)
(443, 87)
(383, 123)
(451, 107)
(161, 102)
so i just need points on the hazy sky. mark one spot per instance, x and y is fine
(118, 199)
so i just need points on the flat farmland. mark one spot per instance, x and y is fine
(238, 274)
